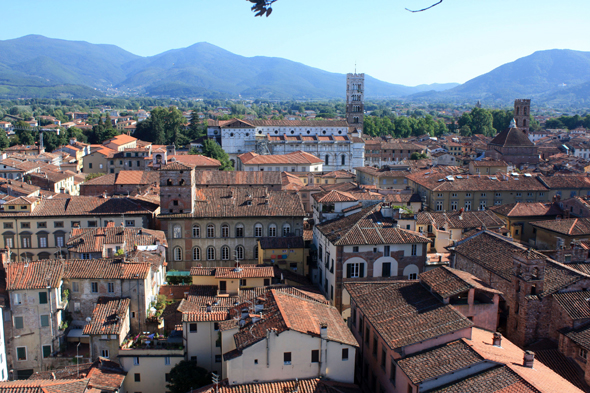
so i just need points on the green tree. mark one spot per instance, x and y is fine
(482, 122)
(3, 140)
(418, 156)
(25, 134)
(186, 375)
(465, 130)
(213, 150)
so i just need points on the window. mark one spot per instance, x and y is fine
(193, 327)
(46, 351)
(75, 224)
(129, 223)
(196, 254)
(217, 358)
(454, 205)
(196, 231)
(18, 323)
(167, 360)
(42, 297)
(137, 375)
(272, 230)
(85, 255)
(26, 241)
(482, 204)
(177, 232)
(177, 254)
(9, 241)
(383, 357)
(355, 270)
(59, 239)
(583, 353)
(367, 334)
(91, 224)
(94, 287)
(287, 358)
(412, 276)
(25, 225)
(8, 225)
(467, 206)
(104, 353)
(111, 287)
(392, 373)
(239, 252)
(44, 320)
(258, 230)
(21, 353)
(210, 230)
(75, 286)
(239, 230)
(42, 241)
(344, 353)
(315, 356)
(439, 206)
(375, 344)
(286, 230)
(17, 299)
(266, 282)
(354, 249)
(225, 231)
(414, 249)
(210, 253)
(42, 224)
(224, 253)
(387, 251)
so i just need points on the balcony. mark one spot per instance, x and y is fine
(154, 341)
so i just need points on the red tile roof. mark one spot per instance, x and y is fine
(105, 269)
(109, 316)
(522, 209)
(237, 178)
(404, 312)
(84, 240)
(298, 157)
(195, 160)
(300, 386)
(232, 272)
(120, 140)
(45, 386)
(34, 275)
(566, 226)
(447, 282)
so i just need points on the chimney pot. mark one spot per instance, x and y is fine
(529, 359)
(497, 339)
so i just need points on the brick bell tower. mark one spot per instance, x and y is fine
(355, 101)
(177, 189)
(522, 114)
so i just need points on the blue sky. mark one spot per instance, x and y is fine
(453, 42)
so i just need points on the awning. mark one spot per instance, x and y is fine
(77, 333)
(178, 274)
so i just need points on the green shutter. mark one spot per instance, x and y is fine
(348, 270)
(46, 351)
(18, 322)
(362, 270)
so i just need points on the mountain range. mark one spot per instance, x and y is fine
(37, 66)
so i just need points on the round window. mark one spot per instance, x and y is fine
(292, 132)
(247, 134)
(340, 132)
(308, 132)
(231, 134)
(324, 132)
(276, 132)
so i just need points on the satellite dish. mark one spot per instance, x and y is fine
(88, 319)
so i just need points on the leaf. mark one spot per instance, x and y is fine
(268, 12)
(261, 12)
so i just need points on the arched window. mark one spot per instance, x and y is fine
(517, 110)
(225, 253)
(239, 253)
(169, 182)
(210, 253)
(239, 230)
(355, 119)
(210, 230)
(196, 231)
(177, 232)
(177, 254)
(343, 160)
(286, 230)
(327, 160)
(524, 122)
(272, 230)
(256, 252)
(196, 254)
(181, 183)
(524, 111)
(258, 230)
(225, 230)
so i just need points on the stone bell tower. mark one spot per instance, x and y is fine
(522, 114)
(177, 188)
(355, 101)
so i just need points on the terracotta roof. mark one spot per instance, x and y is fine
(575, 304)
(563, 366)
(489, 163)
(456, 219)
(523, 209)
(447, 282)
(237, 178)
(496, 380)
(195, 160)
(539, 376)
(566, 226)
(282, 123)
(103, 374)
(85, 240)
(137, 177)
(177, 166)
(84, 206)
(244, 202)
(109, 316)
(566, 181)
(45, 386)
(105, 269)
(120, 140)
(495, 253)
(298, 157)
(368, 226)
(438, 361)
(435, 181)
(34, 275)
(300, 386)
(512, 137)
(404, 312)
(232, 272)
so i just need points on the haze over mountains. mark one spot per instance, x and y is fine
(36, 66)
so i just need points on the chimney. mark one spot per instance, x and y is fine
(497, 339)
(324, 331)
(529, 359)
